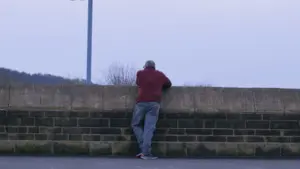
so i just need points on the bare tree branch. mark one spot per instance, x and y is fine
(120, 74)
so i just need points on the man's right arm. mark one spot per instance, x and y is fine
(167, 82)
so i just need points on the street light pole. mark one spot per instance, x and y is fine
(89, 42)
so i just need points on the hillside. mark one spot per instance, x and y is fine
(8, 76)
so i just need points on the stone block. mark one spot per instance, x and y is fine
(39, 97)
(176, 149)
(245, 150)
(124, 148)
(115, 98)
(210, 99)
(201, 149)
(7, 147)
(65, 122)
(191, 123)
(198, 131)
(259, 124)
(18, 113)
(289, 124)
(178, 131)
(256, 139)
(167, 124)
(56, 97)
(268, 150)
(33, 147)
(120, 122)
(89, 122)
(76, 130)
(291, 132)
(23, 136)
(100, 148)
(105, 130)
(267, 132)
(222, 132)
(24, 96)
(268, 100)
(244, 132)
(40, 137)
(290, 150)
(87, 98)
(272, 139)
(159, 149)
(44, 121)
(75, 137)
(70, 148)
(4, 97)
(212, 138)
(87, 137)
(187, 138)
(233, 124)
(178, 99)
(226, 149)
(290, 99)
(235, 139)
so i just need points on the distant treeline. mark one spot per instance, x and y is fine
(8, 76)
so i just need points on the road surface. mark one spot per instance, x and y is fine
(123, 163)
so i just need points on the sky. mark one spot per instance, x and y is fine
(234, 43)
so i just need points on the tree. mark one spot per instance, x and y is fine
(120, 74)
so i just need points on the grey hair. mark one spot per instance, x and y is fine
(150, 63)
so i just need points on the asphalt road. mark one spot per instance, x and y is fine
(120, 163)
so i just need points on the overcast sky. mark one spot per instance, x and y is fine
(246, 43)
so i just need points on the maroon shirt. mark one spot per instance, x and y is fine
(150, 84)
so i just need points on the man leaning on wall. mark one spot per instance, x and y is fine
(150, 84)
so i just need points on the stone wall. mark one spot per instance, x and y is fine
(194, 121)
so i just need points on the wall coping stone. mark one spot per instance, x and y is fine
(176, 99)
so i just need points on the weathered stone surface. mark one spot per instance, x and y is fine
(115, 98)
(84, 98)
(194, 122)
(33, 147)
(176, 149)
(100, 148)
(179, 98)
(56, 97)
(268, 149)
(290, 99)
(201, 149)
(7, 147)
(70, 148)
(268, 100)
(226, 149)
(4, 96)
(39, 97)
(288, 150)
(236, 101)
(124, 148)
(246, 149)
(25, 96)
(209, 99)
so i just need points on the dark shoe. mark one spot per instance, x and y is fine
(148, 157)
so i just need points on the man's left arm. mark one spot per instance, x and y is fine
(137, 79)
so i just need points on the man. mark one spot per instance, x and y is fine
(150, 84)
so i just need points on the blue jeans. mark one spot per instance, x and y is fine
(144, 134)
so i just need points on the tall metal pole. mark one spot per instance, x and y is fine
(89, 42)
